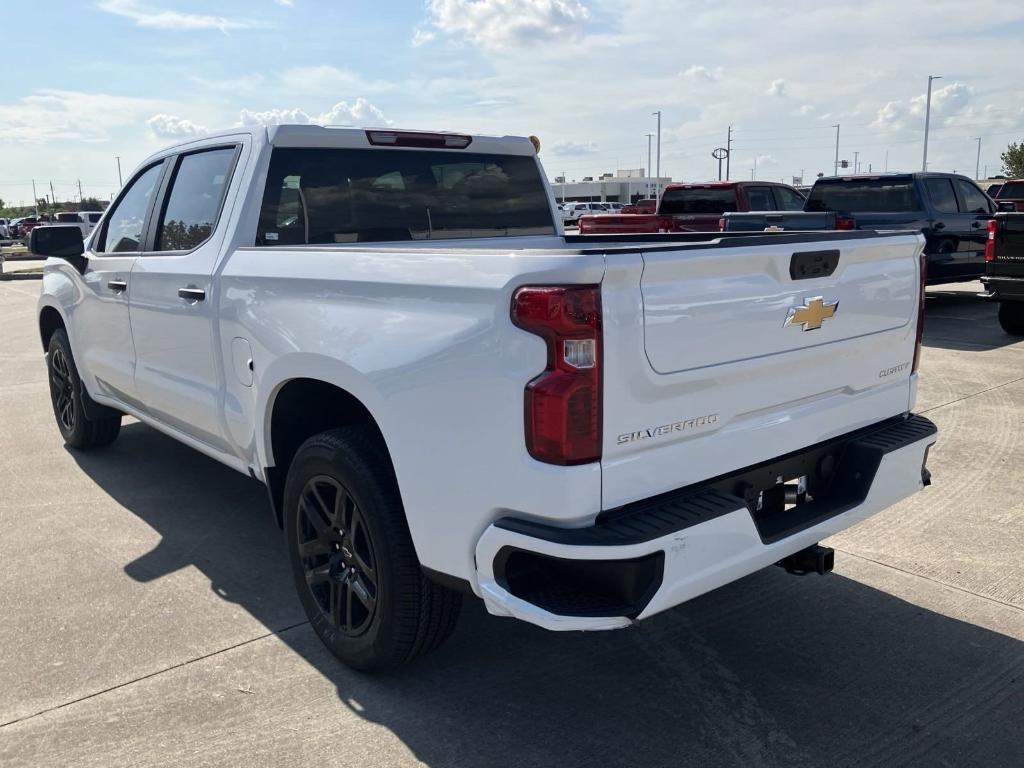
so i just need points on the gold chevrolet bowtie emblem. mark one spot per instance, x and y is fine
(812, 314)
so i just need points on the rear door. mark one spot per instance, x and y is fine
(950, 249)
(178, 374)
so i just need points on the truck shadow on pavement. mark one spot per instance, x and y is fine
(772, 670)
(956, 318)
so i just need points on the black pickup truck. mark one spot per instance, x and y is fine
(950, 209)
(1004, 269)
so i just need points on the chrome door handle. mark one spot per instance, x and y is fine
(117, 286)
(191, 294)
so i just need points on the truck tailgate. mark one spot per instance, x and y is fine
(732, 354)
(723, 305)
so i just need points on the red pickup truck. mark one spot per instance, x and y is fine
(697, 207)
(1011, 192)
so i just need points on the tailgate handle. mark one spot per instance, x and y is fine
(810, 264)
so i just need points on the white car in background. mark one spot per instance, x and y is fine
(86, 220)
(571, 212)
(5, 230)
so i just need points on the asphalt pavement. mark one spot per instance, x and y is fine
(147, 617)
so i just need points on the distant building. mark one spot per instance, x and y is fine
(625, 186)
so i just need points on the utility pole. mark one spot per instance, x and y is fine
(753, 171)
(856, 165)
(81, 198)
(658, 175)
(564, 177)
(53, 197)
(649, 137)
(728, 152)
(35, 200)
(977, 163)
(120, 183)
(927, 120)
(835, 172)
(887, 161)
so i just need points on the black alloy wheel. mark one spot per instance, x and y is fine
(62, 389)
(337, 555)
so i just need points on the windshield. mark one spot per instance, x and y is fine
(1014, 189)
(713, 201)
(888, 195)
(317, 195)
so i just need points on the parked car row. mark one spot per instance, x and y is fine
(949, 209)
(571, 212)
(697, 207)
(20, 228)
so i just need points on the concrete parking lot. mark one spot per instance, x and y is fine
(147, 618)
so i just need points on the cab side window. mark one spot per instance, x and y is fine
(126, 223)
(972, 199)
(941, 193)
(788, 199)
(195, 198)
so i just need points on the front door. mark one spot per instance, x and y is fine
(173, 312)
(104, 350)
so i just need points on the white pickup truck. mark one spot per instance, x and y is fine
(443, 393)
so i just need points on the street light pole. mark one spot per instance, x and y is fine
(728, 153)
(835, 171)
(927, 120)
(855, 156)
(649, 137)
(658, 174)
(977, 163)
(120, 183)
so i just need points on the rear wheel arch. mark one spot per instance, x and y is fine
(301, 408)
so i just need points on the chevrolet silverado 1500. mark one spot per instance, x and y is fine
(444, 394)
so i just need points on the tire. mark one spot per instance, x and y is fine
(351, 551)
(1011, 317)
(72, 404)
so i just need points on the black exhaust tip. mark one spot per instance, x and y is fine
(814, 559)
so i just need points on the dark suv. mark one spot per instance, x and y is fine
(950, 209)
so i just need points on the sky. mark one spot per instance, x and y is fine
(92, 80)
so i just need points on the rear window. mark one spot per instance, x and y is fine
(883, 195)
(68, 218)
(320, 196)
(1013, 189)
(697, 200)
(94, 217)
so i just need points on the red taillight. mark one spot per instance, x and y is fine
(845, 222)
(418, 139)
(923, 277)
(563, 404)
(990, 243)
(721, 224)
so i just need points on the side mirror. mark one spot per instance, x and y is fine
(60, 241)
(1006, 206)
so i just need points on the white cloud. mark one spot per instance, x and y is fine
(359, 112)
(777, 88)
(52, 115)
(566, 148)
(805, 109)
(946, 101)
(159, 18)
(890, 117)
(171, 127)
(766, 161)
(700, 72)
(504, 23)
(325, 78)
(285, 3)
